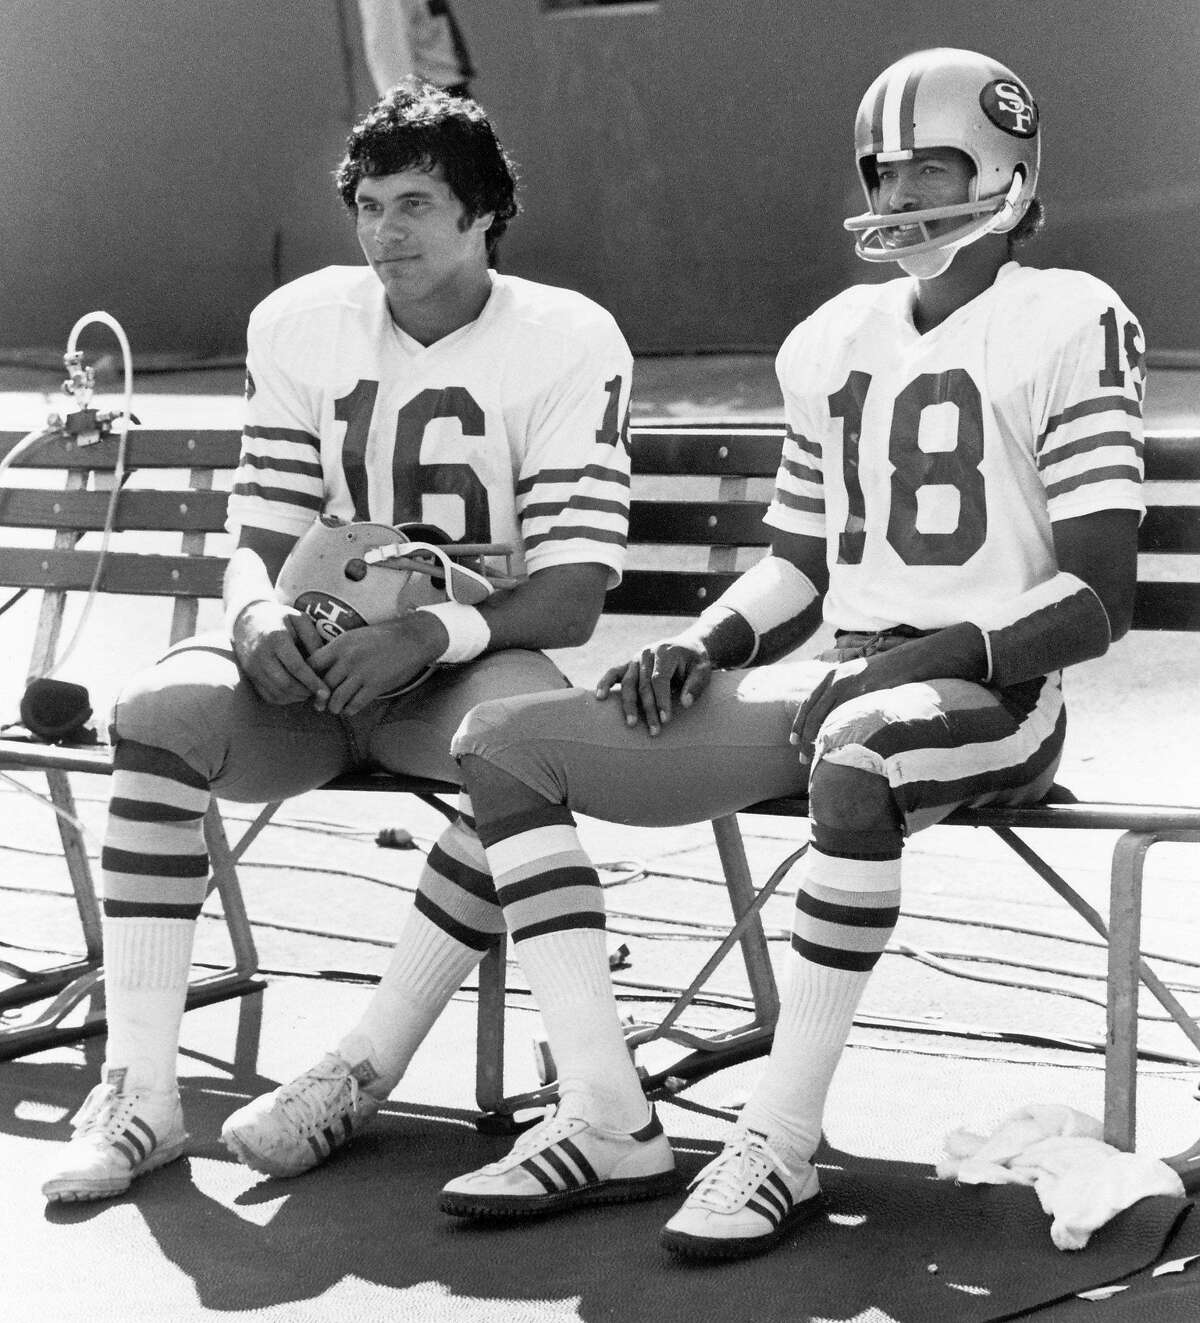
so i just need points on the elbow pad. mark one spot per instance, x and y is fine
(768, 595)
(1052, 625)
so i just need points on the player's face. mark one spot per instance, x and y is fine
(414, 234)
(934, 177)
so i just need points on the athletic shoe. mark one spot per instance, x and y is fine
(118, 1137)
(742, 1202)
(299, 1125)
(563, 1162)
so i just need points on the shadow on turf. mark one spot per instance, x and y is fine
(889, 1237)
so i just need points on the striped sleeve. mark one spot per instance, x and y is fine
(278, 484)
(573, 488)
(1090, 447)
(798, 503)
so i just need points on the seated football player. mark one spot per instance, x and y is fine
(398, 413)
(958, 496)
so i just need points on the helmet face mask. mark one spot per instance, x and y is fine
(948, 99)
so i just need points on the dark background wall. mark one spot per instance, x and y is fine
(688, 163)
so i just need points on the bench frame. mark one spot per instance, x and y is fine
(735, 456)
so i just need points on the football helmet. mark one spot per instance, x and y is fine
(346, 575)
(946, 98)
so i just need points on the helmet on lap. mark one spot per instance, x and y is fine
(346, 575)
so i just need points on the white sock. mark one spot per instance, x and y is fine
(146, 967)
(569, 976)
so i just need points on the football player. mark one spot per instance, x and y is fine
(959, 495)
(424, 389)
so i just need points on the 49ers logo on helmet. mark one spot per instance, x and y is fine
(1007, 104)
(333, 617)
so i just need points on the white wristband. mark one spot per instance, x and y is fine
(467, 628)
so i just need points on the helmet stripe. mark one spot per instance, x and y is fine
(896, 111)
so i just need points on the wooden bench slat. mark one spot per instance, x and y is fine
(1171, 529)
(666, 592)
(124, 572)
(146, 449)
(86, 511)
(699, 523)
(1172, 458)
(695, 451)
(1167, 606)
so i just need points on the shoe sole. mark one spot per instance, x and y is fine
(70, 1190)
(737, 1247)
(626, 1191)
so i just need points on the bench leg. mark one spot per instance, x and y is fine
(1124, 959)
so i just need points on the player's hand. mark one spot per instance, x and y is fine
(271, 641)
(674, 670)
(364, 664)
(840, 683)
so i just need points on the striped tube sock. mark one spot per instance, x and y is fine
(454, 920)
(154, 865)
(554, 908)
(846, 910)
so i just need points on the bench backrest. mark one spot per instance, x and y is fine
(699, 494)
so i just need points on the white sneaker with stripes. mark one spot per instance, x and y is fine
(742, 1202)
(563, 1162)
(118, 1137)
(301, 1123)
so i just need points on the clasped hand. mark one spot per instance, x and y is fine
(287, 659)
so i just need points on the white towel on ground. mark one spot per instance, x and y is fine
(1081, 1181)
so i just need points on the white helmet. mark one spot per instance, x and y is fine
(346, 575)
(947, 98)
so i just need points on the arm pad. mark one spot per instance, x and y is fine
(769, 594)
(1052, 625)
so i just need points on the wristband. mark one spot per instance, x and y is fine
(467, 628)
(769, 594)
(1051, 625)
(235, 609)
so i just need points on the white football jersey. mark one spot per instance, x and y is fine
(512, 429)
(934, 465)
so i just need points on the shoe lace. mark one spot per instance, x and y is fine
(102, 1111)
(738, 1168)
(537, 1137)
(308, 1100)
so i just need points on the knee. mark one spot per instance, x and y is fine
(850, 801)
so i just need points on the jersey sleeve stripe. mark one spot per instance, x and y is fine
(801, 472)
(278, 495)
(1084, 445)
(309, 468)
(591, 471)
(552, 509)
(282, 434)
(1087, 408)
(565, 533)
(1124, 473)
(801, 442)
(794, 501)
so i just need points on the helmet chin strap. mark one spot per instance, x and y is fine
(931, 264)
(927, 266)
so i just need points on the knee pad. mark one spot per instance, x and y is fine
(854, 812)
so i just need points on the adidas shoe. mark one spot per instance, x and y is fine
(563, 1162)
(118, 1136)
(299, 1125)
(741, 1203)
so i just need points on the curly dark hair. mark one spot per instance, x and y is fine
(417, 125)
